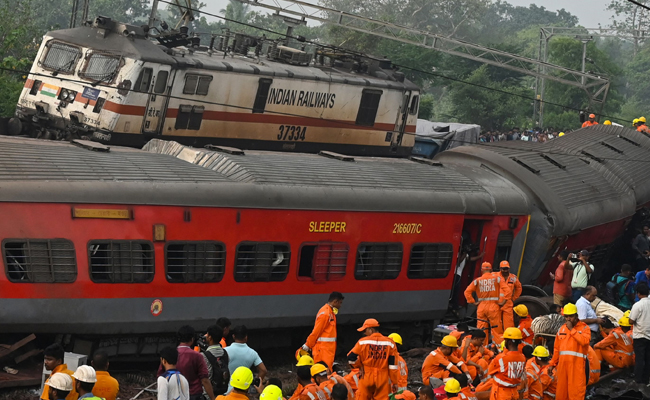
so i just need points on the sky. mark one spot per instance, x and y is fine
(590, 12)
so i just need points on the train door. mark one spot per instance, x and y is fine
(402, 118)
(472, 243)
(157, 101)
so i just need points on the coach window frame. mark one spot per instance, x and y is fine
(89, 54)
(221, 252)
(316, 245)
(367, 112)
(73, 65)
(411, 274)
(27, 241)
(157, 88)
(414, 105)
(196, 88)
(256, 243)
(152, 251)
(357, 274)
(141, 77)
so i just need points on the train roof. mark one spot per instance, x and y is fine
(43, 171)
(569, 178)
(139, 47)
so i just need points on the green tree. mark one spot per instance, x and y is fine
(630, 19)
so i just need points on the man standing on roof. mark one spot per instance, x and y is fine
(488, 291)
(322, 340)
(591, 121)
(641, 126)
(510, 291)
(376, 357)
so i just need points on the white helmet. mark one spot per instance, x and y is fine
(86, 374)
(61, 381)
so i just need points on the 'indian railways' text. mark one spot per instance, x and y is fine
(301, 98)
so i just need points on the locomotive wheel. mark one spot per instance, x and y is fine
(536, 306)
(14, 127)
(534, 291)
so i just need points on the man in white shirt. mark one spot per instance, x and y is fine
(587, 314)
(171, 384)
(582, 271)
(640, 320)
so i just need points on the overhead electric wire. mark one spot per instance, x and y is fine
(639, 4)
(351, 52)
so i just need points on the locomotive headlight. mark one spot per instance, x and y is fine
(71, 95)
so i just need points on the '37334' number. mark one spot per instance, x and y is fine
(292, 132)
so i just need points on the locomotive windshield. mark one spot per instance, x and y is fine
(100, 67)
(61, 57)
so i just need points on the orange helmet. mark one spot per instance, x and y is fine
(504, 264)
(592, 115)
(486, 265)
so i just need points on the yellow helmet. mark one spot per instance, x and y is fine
(541, 351)
(271, 392)
(242, 378)
(317, 369)
(449, 341)
(627, 314)
(635, 121)
(300, 352)
(452, 386)
(625, 321)
(608, 122)
(642, 119)
(561, 134)
(570, 309)
(512, 333)
(305, 360)
(521, 310)
(396, 338)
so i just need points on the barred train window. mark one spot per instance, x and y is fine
(262, 262)
(323, 261)
(195, 261)
(378, 261)
(101, 67)
(60, 57)
(39, 260)
(121, 261)
(430, 260)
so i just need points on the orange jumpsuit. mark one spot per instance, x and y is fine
(474, 355)
(353, 379)
(594, 366)
(534, 389)
(488, 291)
(616, 349)
(526, 330)
(549, 384)
(403, 378)
(312, 392)
(437, 365)
(508, 369)
(466, 394)
(511, 290)
(296, 393)
(643, 128)
(322, 340)
(589, 123)
(570, 358)
(333, 379)
(376, 355)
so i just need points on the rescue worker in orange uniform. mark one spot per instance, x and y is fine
(591, 121)
(466, 392)
(53, 362)
(376, 357)
(353, 379)
(508, 369)
(617, 349)
(310, 391)
(402, 368)
(488, 292)
(441, 363)
(534, 368)
(641, 126)
(549, 384)
(326, 382)
(510, 291)
(525, 322)
(570, 356)
(594, 366)
(476, 356)
(305, 362)
(322, 340)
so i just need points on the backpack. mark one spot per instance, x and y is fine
(612, 289)
(220, 373)
(168, 374)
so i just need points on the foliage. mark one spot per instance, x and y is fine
(629, 19)
(426, 106)
(11, 83)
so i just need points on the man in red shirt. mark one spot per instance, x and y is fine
(191, 365)
(562, 280)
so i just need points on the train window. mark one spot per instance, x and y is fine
(262, 262)
(121, 261)
(504, 246)
(415, 102)
(189, 117)
(39, 260)
(161, 82)
(378, 261)
(430, 260)
(100, 67)
(61, 57)
(323, 261)
(195, 261)
(368, 107)
(196, 117)
(36, 86)
(143, 82)
(197, 84)
(262, 95)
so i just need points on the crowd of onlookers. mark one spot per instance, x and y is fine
(531, 135)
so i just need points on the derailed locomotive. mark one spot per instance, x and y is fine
(111, 83)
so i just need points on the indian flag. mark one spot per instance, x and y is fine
(49, 90)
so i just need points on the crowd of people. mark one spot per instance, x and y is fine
(501, 359)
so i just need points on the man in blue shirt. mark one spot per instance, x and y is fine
(240, 355)
(642, 277)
